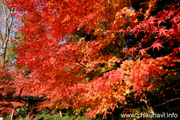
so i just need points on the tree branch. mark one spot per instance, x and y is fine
(167, 102)
(78, 60)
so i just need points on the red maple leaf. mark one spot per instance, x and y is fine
(142, 52)
(157, 45)
(162, 31)
(151, 20)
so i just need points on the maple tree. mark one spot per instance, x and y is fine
(8, 101)
(5, 88)
(93, 54)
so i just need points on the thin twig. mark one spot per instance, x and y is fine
(167, 102)
(78, 60)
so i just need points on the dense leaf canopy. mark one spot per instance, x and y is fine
(93, 53)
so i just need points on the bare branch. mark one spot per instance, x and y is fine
(78, 60)
(167, 102)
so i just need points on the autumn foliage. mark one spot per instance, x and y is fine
(8, 99)
(92, 54)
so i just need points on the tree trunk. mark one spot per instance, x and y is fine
(6, 25)
(3, 54)
(12, 114)
(149, 107)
